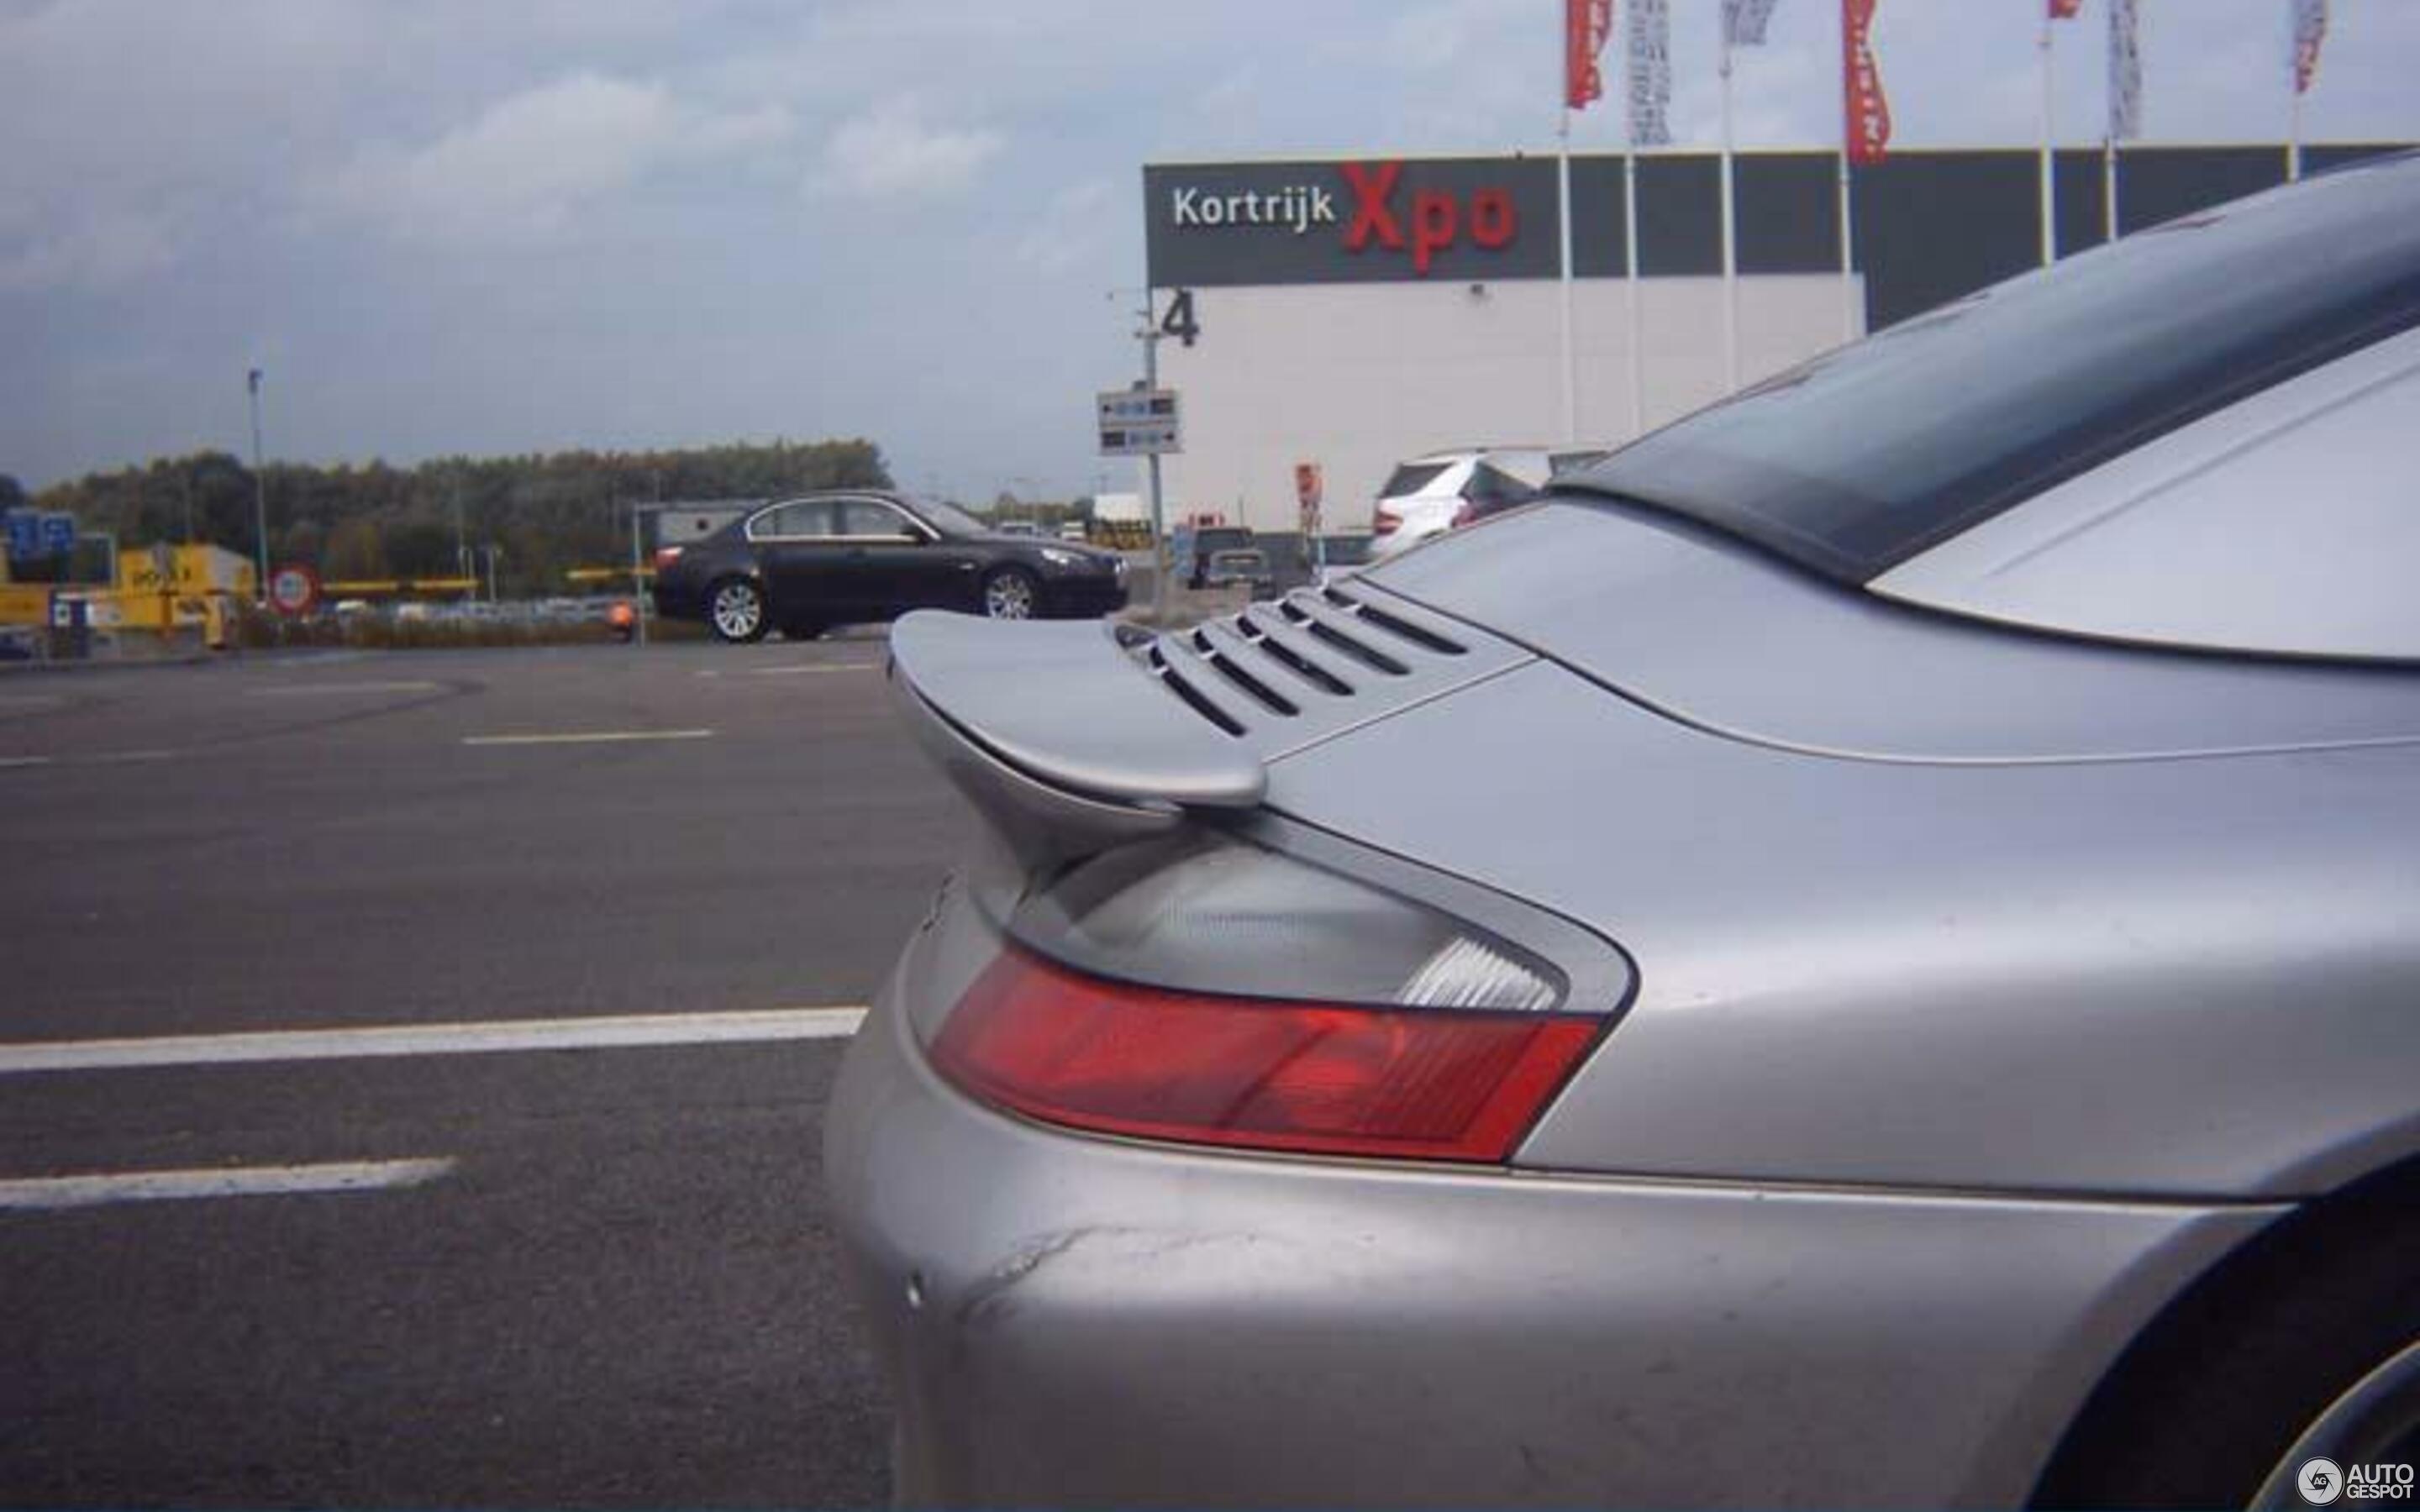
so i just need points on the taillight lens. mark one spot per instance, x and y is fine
(1115, 1058)
(1204, 988)
(1386, 522)
(1463, 514)
(666, 556)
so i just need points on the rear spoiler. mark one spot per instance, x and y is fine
(1058, 736)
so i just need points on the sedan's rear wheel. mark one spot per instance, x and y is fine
(735, 610)
(1010, 593)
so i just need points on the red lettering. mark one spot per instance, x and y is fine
(1371, 189)
(1433, 221)
(1491, 220)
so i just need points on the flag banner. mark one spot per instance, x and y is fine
(1743, 22)
(2125, 73)
(1586, 26)
(2065, 9)
(1648, 43)
(2310, 30)
(1868, 123)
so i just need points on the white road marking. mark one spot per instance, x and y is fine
(314, 689)
(743, 1027)
(26, 702)
(591, 737)
(232, 1181)
(305, 661)
(797, 670)
(116, 757)
(24, 760)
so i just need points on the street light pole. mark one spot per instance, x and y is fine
(461, 543)
(259, 495)
(638, 582)
(1162, 559)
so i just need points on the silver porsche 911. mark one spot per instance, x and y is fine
(1864, 951)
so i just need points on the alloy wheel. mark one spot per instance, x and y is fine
(1009, 596)
(738, 610)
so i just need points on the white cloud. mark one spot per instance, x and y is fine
(1439, 37)
(892, 152)
(531, 161)
(104, 248)
(1076, 223)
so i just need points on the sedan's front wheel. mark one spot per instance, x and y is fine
(1010, 593)
(735, 610)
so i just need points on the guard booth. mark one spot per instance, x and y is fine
(163, 589)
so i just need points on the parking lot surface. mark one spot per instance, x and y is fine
(413, 1065)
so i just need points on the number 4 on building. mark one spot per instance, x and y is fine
(1179, 321)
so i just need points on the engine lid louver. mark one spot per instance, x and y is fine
(1287, 674)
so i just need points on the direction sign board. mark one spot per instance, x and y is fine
(58, 534)
(24, 534)
(1139, 423)
(293, 589)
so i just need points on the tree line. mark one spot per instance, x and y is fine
(545, 513)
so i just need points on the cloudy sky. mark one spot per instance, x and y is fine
(498, 225)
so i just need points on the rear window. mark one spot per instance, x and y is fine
(790, 522)
(1868, 455)
(1411, 478)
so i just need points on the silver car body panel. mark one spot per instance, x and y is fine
(1723, 638)
(2269, 526)
(2184, 977)
(1070, 1321)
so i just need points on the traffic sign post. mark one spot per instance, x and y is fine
(293, 589)
(1140, 423)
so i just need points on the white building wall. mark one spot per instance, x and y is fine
(1359, 377)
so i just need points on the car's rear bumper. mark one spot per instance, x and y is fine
(1069, 1321)
(678, 600)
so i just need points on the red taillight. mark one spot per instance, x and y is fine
(666, 556)
(1410, 1083)
(1464, 513)
(1386, 523)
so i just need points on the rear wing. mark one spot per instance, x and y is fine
(1072, 737)
(1058, 735)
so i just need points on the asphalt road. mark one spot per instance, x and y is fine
(594, 1275)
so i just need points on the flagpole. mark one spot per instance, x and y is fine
(2294, 105)
(1848, 227)
(2049, 162)
(1731, 232)
(1632, 300)
(1571, 353)
(2109, 186)
(1630, 311)
(2123, 118)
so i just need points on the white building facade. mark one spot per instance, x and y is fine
(1355, 313)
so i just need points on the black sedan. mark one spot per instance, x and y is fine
(803, 565)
